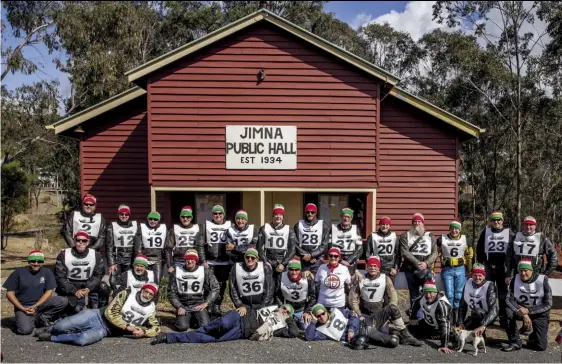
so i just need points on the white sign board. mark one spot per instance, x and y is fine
(261, 147)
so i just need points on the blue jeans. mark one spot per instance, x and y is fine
(225, 328)
(454, 279)
(84, 328)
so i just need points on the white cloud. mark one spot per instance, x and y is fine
(361, 19)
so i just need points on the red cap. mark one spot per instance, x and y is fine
(385, 220)
(310, 207)
(374, 260)
(334, 250)
(82, 234)
(89, 199)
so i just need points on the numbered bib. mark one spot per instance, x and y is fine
(429, 311)
(79, 269)
(250, 283)
(527, 245)
(241, 238)
(372, 290)
(310, 236)
(216, 234)
(345, 240)
(190, 283)
(294, 291)
(529, 294)
(124, 236)
(185, 237)
(276, 239)
(272, 317)
(476, 298)
(419, 247)
(134, 284)
(496, 242)
(453, 248)
(153, 238)
(89, 224)
(135, 314)
(336, 325)
(265, 312)
(384, 245)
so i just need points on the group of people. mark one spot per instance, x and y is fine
(287, 281)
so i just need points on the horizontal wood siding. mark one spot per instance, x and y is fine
(333, 107)
(418, 157)
(114, 160)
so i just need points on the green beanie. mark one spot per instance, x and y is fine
(347, 211)
(496, 215)
(153, 215)
(289, 307)
(525, 263)
(253, 252)
(218, 208)
(186, 211)
(242, 214)
(455, 224)
(317, 307)
(294, 264)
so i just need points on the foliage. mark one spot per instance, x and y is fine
(15, 185)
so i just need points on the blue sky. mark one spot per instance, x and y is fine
(354, 13)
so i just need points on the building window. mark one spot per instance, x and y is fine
(330, 205)
(205, 203)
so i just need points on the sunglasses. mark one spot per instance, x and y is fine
(37, 262)
(217, 213)
(81, 240)
(333, 256)
(152, 220)
(496, 220)
(294, 270)
(89, 204)
(310, 212)
(250, 258)
(123, 214)
(185, 217)
(321, 314)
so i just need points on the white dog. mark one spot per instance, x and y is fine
(466, 336)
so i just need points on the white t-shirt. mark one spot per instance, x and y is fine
(332, 285)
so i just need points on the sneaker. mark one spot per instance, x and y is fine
(159, 339)
(45, 336)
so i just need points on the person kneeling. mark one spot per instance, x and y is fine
(130, 312)
(191, 290)
(430, 317)
(530, 299)
(368, 295)
(253, 324)
(338, 325)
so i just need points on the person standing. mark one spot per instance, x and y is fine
(384, 243)
(312, 239)
(333, 280)
(86, 220)
(347, 238)
(181, 237)
(120, 243)
(30, 289)
(240, 237)
(150, 243)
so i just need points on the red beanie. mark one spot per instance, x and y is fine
(311, 207)
(82, 234)
(89, 199)
(334, 250)
(374, 260)
(529, 220)
(385, 220)
(418, 217)
(124, 209)
(479, 268)
(151, 287)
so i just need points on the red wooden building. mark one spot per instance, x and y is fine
(360, 140)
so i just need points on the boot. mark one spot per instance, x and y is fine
(159, 339)
(40, 331)
(512, 346)
(44, 336)
(455, 317)
(407, 339)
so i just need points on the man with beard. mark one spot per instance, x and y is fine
(150, 242)
(384, 243)
(347, 238)
(86, 220)
(135, 278)
(120, 243)
(419, 250)
(235, 325)
(530, 300)
(532, 245)
(333, 281)
(368, 295)
(240, 237)
(276, 242)
(312, 239)
(338, 325)
(491, 251)
(78, 272)
(430, 317)
(30, 289)
(298, 290)
(192, 289)
(130, 313)
(251, 283)
(480, 296)
(456, 253)
(182, 237)
(216, 256)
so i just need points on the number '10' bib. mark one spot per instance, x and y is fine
(336, 325)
